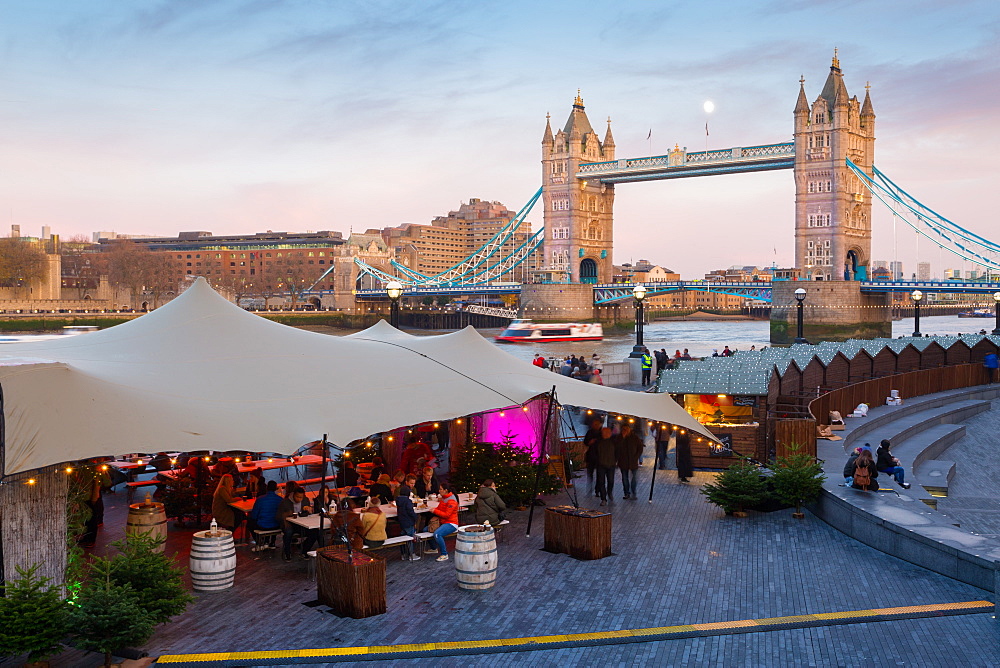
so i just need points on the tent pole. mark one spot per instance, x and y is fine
(656, 463)
(542, 448)
(322, 491)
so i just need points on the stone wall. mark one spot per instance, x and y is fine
(832, 311)
(561, 302)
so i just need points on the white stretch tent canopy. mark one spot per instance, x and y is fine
(201, 373)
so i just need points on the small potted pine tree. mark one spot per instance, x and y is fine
(33, 617)
(107, 616)
(738, 487)
(798, 479)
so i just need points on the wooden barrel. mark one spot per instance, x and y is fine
(213, 560)
(149, 519)
(476, 557)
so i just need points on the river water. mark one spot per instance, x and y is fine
(701, 337)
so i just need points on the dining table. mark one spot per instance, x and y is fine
(311, 521)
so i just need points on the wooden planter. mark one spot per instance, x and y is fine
(352, 587)
(583, 534)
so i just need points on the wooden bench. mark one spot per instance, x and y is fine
(392, 542)
(132, 486)
(316, 481)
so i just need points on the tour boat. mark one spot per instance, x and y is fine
(525, 331)
(978, 313)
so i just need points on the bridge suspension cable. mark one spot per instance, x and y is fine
(926, 222)
(478, 268)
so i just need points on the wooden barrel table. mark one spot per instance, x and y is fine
(353, 585)
(580, 533)
(147, 518)
(476, 557)
(213, 560)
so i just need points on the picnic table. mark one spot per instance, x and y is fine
(311, 521)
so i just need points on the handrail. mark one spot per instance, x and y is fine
(910, 384)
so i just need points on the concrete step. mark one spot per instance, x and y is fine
(935, 475)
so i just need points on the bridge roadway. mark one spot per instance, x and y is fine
(680, 164)
(606, 293)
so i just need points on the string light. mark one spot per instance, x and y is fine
(458, 421)
(31, 481)
(69, 469)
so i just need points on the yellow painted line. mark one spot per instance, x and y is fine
(984, 606)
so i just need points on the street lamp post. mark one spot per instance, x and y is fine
(639, 292)
(800, 296)
(996, 311)
(916, 296)
(395, 290)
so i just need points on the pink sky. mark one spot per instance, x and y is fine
(152, 117)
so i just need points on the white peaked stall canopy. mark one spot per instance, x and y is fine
(203, 374)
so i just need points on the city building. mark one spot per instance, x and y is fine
(923, 271)
(896, 269)
(450, 239)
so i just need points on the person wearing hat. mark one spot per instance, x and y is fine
(849, 467)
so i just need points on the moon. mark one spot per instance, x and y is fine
(709, 106)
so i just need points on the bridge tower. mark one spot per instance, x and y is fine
(832, 207)
(578, 212)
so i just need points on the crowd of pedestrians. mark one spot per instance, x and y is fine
(607, 452)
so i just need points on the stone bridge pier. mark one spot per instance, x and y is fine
(832, 311)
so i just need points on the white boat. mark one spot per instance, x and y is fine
(525, 331)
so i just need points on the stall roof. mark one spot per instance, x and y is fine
(749, 371)
(203, 374)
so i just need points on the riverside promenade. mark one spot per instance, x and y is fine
(677, 561)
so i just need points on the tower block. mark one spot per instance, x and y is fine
(578, 212)
(833, 231)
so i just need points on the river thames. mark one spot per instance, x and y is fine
(702, 337)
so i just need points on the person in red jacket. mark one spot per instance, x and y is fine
(447, 512)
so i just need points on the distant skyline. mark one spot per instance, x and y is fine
(242, 116)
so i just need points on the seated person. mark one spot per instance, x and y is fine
(427, 484)
(373, 525)
(865, 473)
(227, 516)
(397, 481)
(447, 512)
(406, 515)
(849, 467)
(347, 476)
(264, 514)
(256, 485)
(886, 463)
(380, 491)
(346, 525)
(489, 506)
(378, 468)
(295, 503)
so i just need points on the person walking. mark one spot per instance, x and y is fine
(647, 366)
(662, 446)
(628, 451)
(606, 464)
(590, 440)
(991, 362)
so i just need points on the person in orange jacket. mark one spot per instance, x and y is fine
(447, 512)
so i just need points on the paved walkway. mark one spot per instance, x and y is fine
(677, 561)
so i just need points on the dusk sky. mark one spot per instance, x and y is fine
(242, 116)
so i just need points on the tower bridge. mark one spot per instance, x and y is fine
(831, 156)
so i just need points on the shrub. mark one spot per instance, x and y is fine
(153, 576)
(33, 616)
(737, 487)
(108, 616)
(798, 478)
